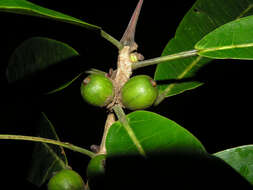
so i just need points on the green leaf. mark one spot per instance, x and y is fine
(37, 54)
(46, 158)
(241, 159)
(154, 133)
(36, 62)
(202, 18)
(232, 40)
(65, 85)
(28, 8)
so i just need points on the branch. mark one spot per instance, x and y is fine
(109, 121)
(163, 59)
(49, 141)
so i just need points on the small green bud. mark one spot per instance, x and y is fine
(139, 92)
(133, 57)
(97, 90)
(66, 179)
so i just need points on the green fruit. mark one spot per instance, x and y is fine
(139, 92)
(96, 167)
(97, 90)
(96, 172)
(66, 179)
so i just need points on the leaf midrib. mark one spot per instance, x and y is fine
(54, 155)
(57, 138)
(245, 11)
(204, 50)
(181, 76)
(165, 93)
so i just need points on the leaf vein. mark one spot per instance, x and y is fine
(225, 47)
(54, 154)
(245, 11)
(188, 69)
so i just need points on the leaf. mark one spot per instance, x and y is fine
(65, 85)
(37, 54)
(202, 18)
(241, 159)
(28, 8)
(36, 63)
(154, 133)
(46, 158)
(232, 40)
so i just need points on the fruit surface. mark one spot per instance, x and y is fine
(96, 172)
(97, 90)
(66, 179)
(139, 92)
(96, 166)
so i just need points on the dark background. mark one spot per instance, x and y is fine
(218, 113)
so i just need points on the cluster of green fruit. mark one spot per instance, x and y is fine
(139, 92)
(68, 179)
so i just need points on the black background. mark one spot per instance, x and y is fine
(218, 113)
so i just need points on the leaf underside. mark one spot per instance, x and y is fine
(202, 18)
(154, 133)
(37, 54)
(241, 159)
(232, 40)
(46, 158)
(36, 61)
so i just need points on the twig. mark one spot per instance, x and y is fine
(109, 121)
(163, 59)
(49, 141)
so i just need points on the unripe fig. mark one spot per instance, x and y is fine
(96, 166)
(66, 179)
(97, 90)
(96, 172)
(139, 92)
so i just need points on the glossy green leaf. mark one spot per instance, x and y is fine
(232, 40)
(202, 18)
(28, 8)
(46, 158)
(241, 159)
(154, 133)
